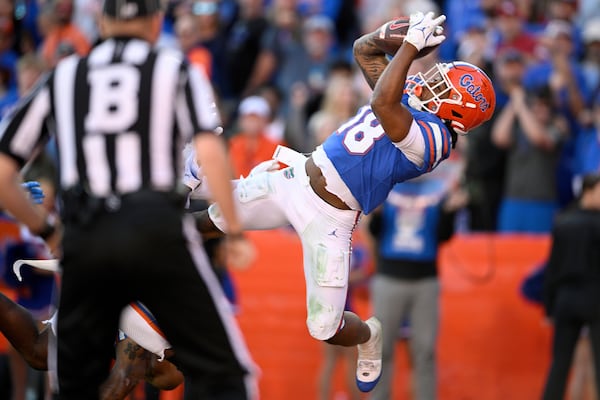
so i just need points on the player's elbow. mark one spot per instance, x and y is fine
(381, 107)
(377, 105)
(167, 381)
(37, 361)
(358, 46)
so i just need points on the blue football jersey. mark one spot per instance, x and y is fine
(411, 217)
(370, 164)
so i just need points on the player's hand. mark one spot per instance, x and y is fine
(240, 251)
(193, 178)
(192, 172)
(424, 30)
(35, 191)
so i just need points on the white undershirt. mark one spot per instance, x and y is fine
(413, 145)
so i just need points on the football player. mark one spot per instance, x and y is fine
(408, 128)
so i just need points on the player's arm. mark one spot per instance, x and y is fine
(15, 200)
(16, 323)
(370, 59)
(20, 328)
(163, 375)
(22, 133)
(199, 113)
(386, 103)
(134, 364)
(211, 153)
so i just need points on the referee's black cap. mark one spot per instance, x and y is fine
(129, 9)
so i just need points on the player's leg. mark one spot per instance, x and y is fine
(326, 240)
(134, 364)
(258, 201)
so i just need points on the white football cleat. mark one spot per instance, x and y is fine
(368, 368)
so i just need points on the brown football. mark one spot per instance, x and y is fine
(391, 35)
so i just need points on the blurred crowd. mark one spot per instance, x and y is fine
(283, 73)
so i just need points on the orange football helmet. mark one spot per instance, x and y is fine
(457, 92)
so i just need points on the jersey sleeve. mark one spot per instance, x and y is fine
(438, 140)
(436, 136)
(197, 109)
(191, 170)
(24, 130)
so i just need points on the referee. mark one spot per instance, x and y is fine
(121, 116)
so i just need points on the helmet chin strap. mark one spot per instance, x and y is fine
(453, 132)
(458, 127)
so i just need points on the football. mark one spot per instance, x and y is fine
(390, 36)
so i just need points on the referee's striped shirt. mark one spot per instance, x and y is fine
(121, 117)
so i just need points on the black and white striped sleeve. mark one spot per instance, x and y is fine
(24, 130)
(196, 109)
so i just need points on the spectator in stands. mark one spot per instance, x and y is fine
(587, 146)
(276, 127)
(29, 68)
(86, 14)
(559, 69)
(529, 128)
(244, 43)
(8, 54)
(304, 104)
(282, 46)
(339, 102)
(512, 31)
(304, 76)
(484, 161)
(587, 152)
(250, 145)
(591, 56)
(475, 45)
(462, 15)
(186, 30)
(212, 35)
(64, 37)
(571, 291)
(586, 10)
(563, 9)
(567, 10)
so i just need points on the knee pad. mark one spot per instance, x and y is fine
(323, 320)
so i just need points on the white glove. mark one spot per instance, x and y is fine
(193, 178)
(424, 31)
(192, 173)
